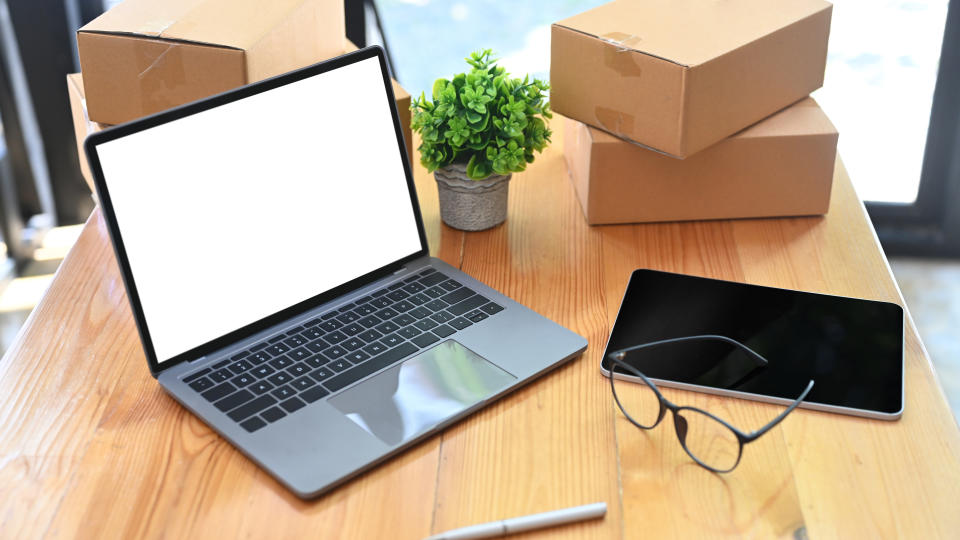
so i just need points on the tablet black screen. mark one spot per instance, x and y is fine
(851, 348)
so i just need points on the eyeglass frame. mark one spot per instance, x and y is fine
(616, 359)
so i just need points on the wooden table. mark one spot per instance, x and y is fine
(91, 446)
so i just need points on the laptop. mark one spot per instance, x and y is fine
(274, 256)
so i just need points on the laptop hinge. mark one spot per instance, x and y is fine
(197, 359)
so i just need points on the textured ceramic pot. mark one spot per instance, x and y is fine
(471, 205)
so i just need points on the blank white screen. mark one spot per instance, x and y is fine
(235, 213)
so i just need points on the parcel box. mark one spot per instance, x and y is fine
(83, 126)
(782, 166)
(145, 56)
(681, 75)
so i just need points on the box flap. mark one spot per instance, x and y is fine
(689, 32)
(229, 23)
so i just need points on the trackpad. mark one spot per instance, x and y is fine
(416, 395)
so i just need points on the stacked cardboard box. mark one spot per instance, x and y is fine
(145, 56)
(695, 109)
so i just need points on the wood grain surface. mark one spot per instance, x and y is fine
(90, 446)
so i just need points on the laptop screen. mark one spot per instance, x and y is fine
(237, 212)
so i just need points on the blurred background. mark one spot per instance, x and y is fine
(891, 87)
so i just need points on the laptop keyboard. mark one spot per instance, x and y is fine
(284, 373)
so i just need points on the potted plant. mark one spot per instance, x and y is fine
(477, 130)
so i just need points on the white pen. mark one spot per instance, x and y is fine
(525, 523)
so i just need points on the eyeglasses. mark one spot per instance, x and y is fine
(711, 441)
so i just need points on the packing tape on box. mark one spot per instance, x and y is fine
(161, 79)
(620, 57)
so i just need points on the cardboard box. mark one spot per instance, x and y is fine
(83, 126)
(145, 56)
(681, 75)
(782, 166)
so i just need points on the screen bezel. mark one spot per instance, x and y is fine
(818, 406)
(106, 206)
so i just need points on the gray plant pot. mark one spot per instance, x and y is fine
(471, 205)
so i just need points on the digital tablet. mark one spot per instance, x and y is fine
(851, 348)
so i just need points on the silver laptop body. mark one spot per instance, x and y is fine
(276, 264)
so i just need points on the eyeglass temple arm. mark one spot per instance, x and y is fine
(782, 415)
(622, 352)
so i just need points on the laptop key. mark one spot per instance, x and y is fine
(420, 313)
(334, 352)
(295, 330)
(411, 279)
(427, 272)
(404, 320)
(295, 341)
(321, 374)
(352, 344)
(450, 285)
(279, 378)
(375, 348)
(260, 387)
(387, 327)
(201, 384)
(477, 317)
(328, 315)
(282, 392)
(281, 363)
(425, 339)
(492, 308)
(434, 292)
(302, 383)
(460, 323)
(222, 364)
(433, 279)
(240, 366)
(467, 305)
(347, 318)
(330, 326)
(253, 424)
(419, 299)
(293, 404)
(299, 369)
(409, 332)
(196, 375)
(312, 333)
(300, 353)
(258, 358)
(441, 316)
(364, 310)
(456, 296)
(443, 330)
(398, 295)
(251, 408)
(346, 307)
(234, 400)
(277, 349)
(425, 324)
(436, 305)
(338, 365)
(402, 306)
(394, 286)
(273, 414)
(370, 335)
(357, 356)
(380, 303)
(387, 313)
(352, 329)
(275, 339)
(316, 361)
(262, 371)
(381, 292)
(370, 366)
(313, 394)
(335, 337)
(221, 375)
(391, 340)
(370, 321)
(259, 346)
(413, 288)
(219, 391)
(243, 380)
